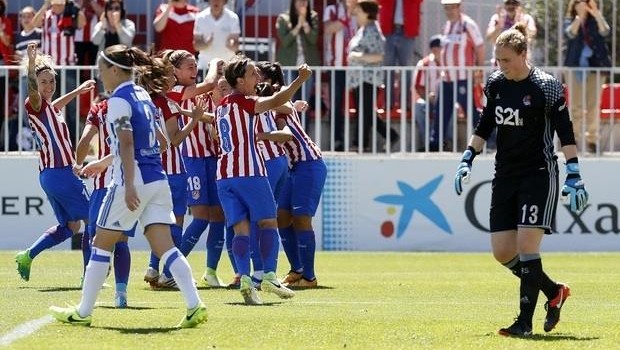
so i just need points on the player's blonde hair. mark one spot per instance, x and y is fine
(41, 63)
(514, 38)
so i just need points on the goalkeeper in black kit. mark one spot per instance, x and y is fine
(527, 106)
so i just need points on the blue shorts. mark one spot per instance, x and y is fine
(96, 199)
(302, 192)
(277, 173)
(196, 180)
(178, 188)
(66, 193)
(213, 197)
(246, 198)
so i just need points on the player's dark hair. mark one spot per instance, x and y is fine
(264, 89)
(514, 38)
(151, 72)
(236, 68)
(156, 79)
(175, 56)
(271, 71)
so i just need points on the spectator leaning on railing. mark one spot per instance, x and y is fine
(586, 30)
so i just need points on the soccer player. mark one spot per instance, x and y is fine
(276, 164)
(242, 183)
(527, 107)
(172, 160)
(198, 155)
(300, 194)
(96, 125)
(139, 188)
(65, 191)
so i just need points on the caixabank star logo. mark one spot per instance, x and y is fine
(410, 200)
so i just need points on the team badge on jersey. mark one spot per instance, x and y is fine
(195, 195)
(527, 100)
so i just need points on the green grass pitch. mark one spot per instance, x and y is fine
(365, 301)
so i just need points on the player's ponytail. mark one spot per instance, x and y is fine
(514, 38)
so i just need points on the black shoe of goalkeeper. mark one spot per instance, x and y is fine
(518, 329)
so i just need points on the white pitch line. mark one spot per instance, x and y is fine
(24, 330)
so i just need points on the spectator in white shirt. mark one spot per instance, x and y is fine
(216, 33)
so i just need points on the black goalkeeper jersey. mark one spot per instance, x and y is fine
(527, 114)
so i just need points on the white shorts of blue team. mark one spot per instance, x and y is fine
(155, 207)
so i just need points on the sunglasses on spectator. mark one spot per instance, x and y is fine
(114, 8)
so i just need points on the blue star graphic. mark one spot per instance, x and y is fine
(420, 200)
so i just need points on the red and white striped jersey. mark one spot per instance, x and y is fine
(301, 147)
(171, 159)
(335, 47)
(54, 43)
(51, 135)
(97, 117)
(461, 39)
(83, 35)
(198, 143)
(236, 126)
(269, 149)
(213, 142)
(428, 73)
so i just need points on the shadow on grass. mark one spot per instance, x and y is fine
(268, 303)
(551, 337)
(311, 288)
(140, 330)
(57, 289)
(134, 307)
(560, 336)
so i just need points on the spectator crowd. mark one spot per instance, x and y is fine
(368, 34)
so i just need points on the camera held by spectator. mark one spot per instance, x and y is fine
(69, 21)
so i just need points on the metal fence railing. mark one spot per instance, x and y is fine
(335, 119)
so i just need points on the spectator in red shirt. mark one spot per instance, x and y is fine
(174, 22)
(400, 24)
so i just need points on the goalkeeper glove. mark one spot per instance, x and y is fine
(464, 169)
(573, 191)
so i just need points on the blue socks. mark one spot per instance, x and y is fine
(230, 234)
(269, 247)
(307, 249)
(192, 235)
(87, 235)
(291, 248)
(215, 244)
(255, 251)
(241, 252)
(50, 238)
(177, 236)
(122, 263)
